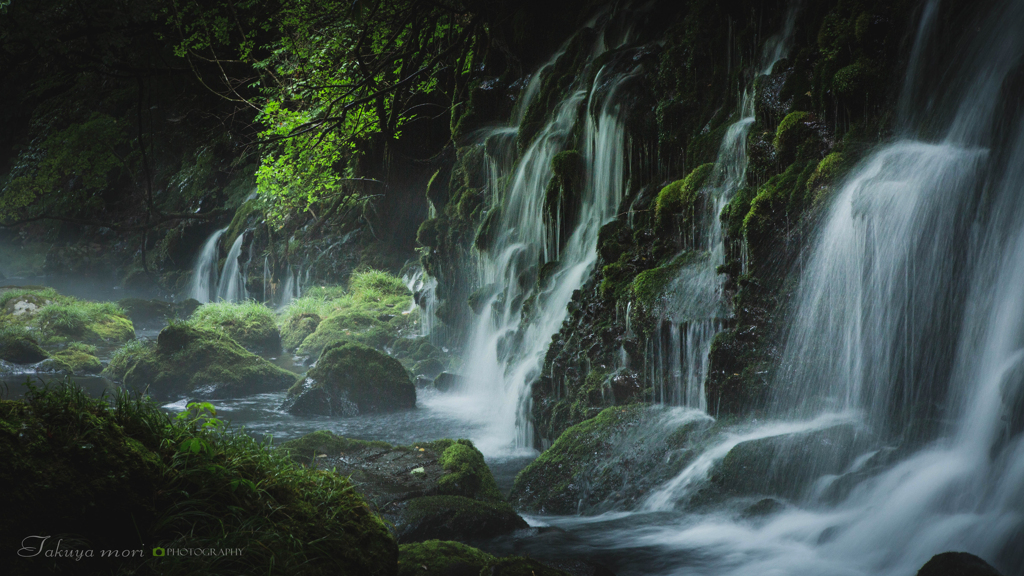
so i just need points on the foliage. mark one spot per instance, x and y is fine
(250, 324)
(118, 470)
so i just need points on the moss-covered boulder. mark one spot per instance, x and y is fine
(297, 328)
(195, 362)
(441, 558)
(80, 358)
(451, 518)
(250, 324)
(957, 564)
(384, 473)
(350, 378)
(609, 461)
(18, 347)
(678, 205)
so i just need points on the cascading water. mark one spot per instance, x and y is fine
(231, 287)
(692, 309)
(909, 323)
(510, 337)
(204, 273)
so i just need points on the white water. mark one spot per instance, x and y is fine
(505, 352)
(231, 286)
(204, 272)
(692, 309)
(909, 313)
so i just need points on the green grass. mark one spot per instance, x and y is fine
(119, 470)
(250, 323)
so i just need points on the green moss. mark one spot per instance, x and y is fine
(18, 346)
(80, 358)
(453, 518)
(126, 476)
(69, 319)
(241, 220)
(681, 198)
(297, 328)
(250, 324)
(791, 132)
(189, 360)
(428, 234)
(649, 284)
(438, 558)
(467, 473)
(304, 449)
(858, 80)
(552, 483)
(375, 311)
(826, 173)
(349, 373)
(125, 357)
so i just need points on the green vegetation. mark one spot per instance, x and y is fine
(452, 518)
(437, 557)
(189, 360)
(466, 473)
(251, 324)
(80, 358)
(374, 311)
(351, 378)
(681, 199)
(122, 474)
(18, 346)
(57, 319)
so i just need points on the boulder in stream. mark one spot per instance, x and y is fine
(18, 347)
(349, 379)
(188, 361)
(957, 564)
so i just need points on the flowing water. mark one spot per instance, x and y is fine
(909, 323)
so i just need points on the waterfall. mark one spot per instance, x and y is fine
(423, 288)
(693, 303)
(290, 289)
(510, 336)
(231, 287)
(204, 272)
(909, 320)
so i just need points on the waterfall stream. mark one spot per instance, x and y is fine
(908, 328)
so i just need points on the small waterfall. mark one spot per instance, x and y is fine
(423, 288)
(909, 318)
(693, 302)
(508, 342)
(290, 289)
(266, 276)
(204, 273)
(231, 287)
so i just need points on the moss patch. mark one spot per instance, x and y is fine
(351, 378)
(250, 324)
(80, 358)
(18, 346)
(440, 558)
(452, 518)
(192, 361)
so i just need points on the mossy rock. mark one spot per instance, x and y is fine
(793, 130)
(80, 358)
(297, 328)
(441, 558)
(250, 324)
(677, 206)
(195, 362)
(350, 378)
(451, 518)
(18, 347)
(384, 473)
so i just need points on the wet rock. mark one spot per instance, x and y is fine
(155, 313)
(763, 507)
(446, 381)
(297, 328)
(384, 473)
(188, 361)
(430, 368)
(957, 564)
(350, 375)
(610, 461)
(17, 347)
(80, 358)
(451, 518)
(786, 465)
